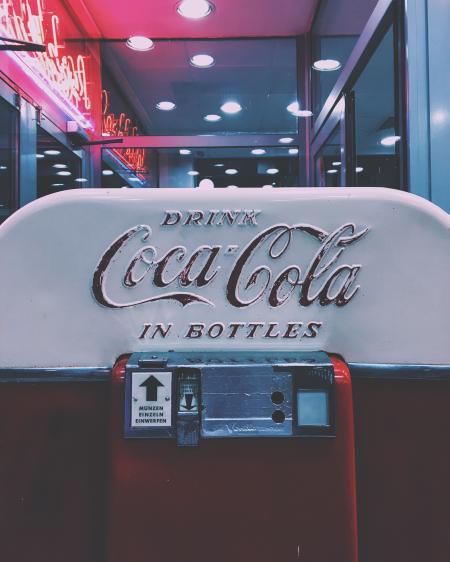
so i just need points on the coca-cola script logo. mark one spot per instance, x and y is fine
(253, 275)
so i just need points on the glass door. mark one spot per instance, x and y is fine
(200, 166)
(9, 124)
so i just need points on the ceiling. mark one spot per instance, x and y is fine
(114, 19)
(259, 74)
(343, 17)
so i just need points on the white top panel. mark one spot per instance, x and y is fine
(91, 274)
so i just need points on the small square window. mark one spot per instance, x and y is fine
(313, 408)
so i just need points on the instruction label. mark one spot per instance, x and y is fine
(151, 399)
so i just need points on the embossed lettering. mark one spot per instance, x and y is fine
(195, 331)
(251, 278)
(171, 218)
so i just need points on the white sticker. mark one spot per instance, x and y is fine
(151, 399)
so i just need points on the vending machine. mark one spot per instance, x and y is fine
(206, 375)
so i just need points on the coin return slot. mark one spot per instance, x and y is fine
(278, 416)
(277, 397)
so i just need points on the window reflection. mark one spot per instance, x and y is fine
(377, 137)
(328, 162)
(212, 166)
(8, 159)
(58, 168)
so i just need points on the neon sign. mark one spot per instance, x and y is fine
(122, 126)
(63, 76)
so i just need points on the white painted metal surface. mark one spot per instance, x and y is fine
(359, 272)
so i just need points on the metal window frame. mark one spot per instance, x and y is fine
(10, 97)
(385, 14)
(377, 25)
(202, 141)
(337, 118)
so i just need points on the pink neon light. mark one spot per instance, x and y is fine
(62, 77)
(133, 158)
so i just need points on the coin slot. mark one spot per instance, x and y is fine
(277, 397)
(278, 416)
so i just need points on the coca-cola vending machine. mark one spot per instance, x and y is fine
(204, 375)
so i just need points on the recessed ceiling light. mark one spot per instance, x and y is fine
(107, 172)
(273, 171)
(57, 184)
(206, 183)
(212, 117)
(40, 155)
(359, 169)
(332, 171)
(293, 151)
(231, 171)
(194, 9)
(231, 107)
(286, 140)
(258, 151)
(140, 43)
(81, 180)
(193, 173)
(294, 109)
(52, 152)
(185, 151)
(60, 166)
(3, 167)
(336, 163)
(219, 165)
(326, 65)
(202, 61)
(235, 186)
(390, 140)
(165, 105)
(440, 116)
(64, 173)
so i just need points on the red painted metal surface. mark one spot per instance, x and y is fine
(52, 471)
(403, 462)
(233, 499)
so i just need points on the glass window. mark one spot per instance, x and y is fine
(192, 167)
(58, 168)
(189, 87)
(376, 130)
(9, 118)
(337, 27)
(328, 165)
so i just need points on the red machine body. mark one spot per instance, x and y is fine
(234, 499)
(329, 297)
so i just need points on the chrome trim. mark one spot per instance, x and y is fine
(383, 371)
(58, 374)
(368, 371)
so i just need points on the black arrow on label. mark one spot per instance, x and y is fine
(151, 384)
(189, 398)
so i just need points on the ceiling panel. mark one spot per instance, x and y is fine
(259, 74)
(231, 18)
